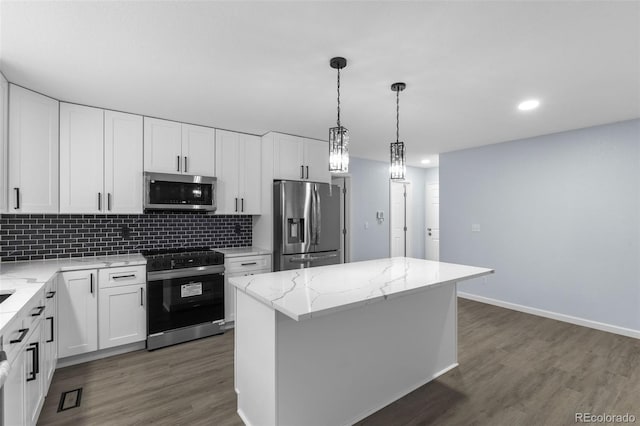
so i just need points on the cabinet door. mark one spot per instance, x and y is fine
(14, 391)
(198, 150)
(316, 157)
(4, 125)
(287, 157)
(122, 315)
(162, 146)
(123, 161)
(34, 392)
(78, 312)
(33, 152)
(81, 159)
(227, 159)
(50, 335)
(249, 174)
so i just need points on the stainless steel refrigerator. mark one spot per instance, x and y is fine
(306, 224)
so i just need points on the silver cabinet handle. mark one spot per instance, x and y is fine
(99, 201)
(178, 162)
(236, 204)
(141, 296)
(91, 283)
(249, 263)
(242, 204)
(109, 201)
(17, 207)
(185, 164)
(307, 171)
(301, 172)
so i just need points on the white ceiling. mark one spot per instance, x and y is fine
(263, 66)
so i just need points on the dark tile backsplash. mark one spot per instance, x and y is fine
(50, 236)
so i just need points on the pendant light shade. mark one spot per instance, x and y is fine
(398, 168)
(339, 135)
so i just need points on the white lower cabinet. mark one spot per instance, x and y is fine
(239, 267)
(24, 390)
(101, 308)
(34, 390)
(122, 315)
(78, 307)
(50, 333)
(14, 390)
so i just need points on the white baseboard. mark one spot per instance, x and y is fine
(629, 332)
(396, 397)
(104, 353)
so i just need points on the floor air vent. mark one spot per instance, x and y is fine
(70, 399)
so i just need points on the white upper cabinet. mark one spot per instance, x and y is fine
(162, 146)
(100, 161)
(297, 158)
(288, 157)
(33, 152)
(4, 126)
(198, 150)
(81, 159)
(316, 158)
(172, 147)
(238, 165)
(123, 161)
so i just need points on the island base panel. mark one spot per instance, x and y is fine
(254, 361)
(338, 369)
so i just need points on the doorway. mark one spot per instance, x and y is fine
(344, 183)
(400, 220)
(432, 222)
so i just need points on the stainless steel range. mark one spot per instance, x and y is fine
(185, 295)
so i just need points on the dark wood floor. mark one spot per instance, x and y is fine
(515, 369)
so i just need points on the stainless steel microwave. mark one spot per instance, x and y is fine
(164, 191)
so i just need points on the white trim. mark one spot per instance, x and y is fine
(104, 353)
(405, 392)
(554, 315)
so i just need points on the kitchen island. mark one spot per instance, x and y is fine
(333, 344)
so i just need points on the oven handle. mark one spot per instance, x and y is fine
(185, 272)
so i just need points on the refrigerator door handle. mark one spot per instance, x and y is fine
(312, 258)
(318, 215)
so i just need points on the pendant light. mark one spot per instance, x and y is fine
(338, 136)
(398, 167)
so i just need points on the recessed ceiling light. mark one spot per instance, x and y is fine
(529, 105)
(426, 161)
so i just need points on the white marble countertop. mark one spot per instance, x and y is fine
(243, 251)
(305, 293)
(25, 279)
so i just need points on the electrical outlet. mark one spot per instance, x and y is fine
(475, 227)
(125, 232)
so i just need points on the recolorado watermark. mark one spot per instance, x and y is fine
(604, 418)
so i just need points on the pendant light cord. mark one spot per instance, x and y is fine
(338, 96)
(397, 115)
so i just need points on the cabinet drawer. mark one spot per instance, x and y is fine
(125, 275)
(33, 311)
(248, 263)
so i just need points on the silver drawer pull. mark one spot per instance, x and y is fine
(249, 263)
(123, 277)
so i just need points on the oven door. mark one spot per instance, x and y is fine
(184, 297)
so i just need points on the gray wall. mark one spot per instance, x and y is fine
(559, 220)
(370, 193)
